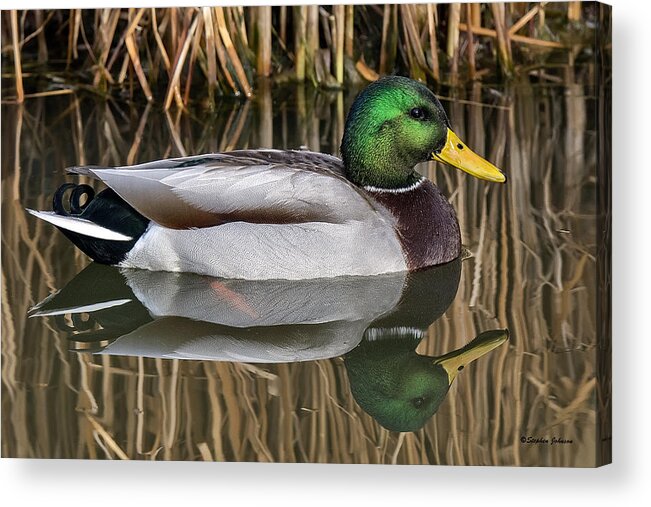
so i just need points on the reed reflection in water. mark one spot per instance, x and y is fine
(532, 270)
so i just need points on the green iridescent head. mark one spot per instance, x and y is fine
(396, 123)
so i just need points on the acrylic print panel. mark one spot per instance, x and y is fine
(389, 335)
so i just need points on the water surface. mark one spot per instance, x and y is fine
(182, 367)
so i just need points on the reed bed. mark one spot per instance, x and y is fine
(533, 270)
(163, 55)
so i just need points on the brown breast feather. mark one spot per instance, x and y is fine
(425, 223)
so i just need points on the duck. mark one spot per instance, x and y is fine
(285, 214)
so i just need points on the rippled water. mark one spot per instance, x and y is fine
(141, 365)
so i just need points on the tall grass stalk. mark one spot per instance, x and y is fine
(160, 53)
(264, 37)
(300, 36)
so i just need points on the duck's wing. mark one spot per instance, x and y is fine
(257, 186)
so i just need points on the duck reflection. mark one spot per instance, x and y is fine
(401, 389)
(375, 323)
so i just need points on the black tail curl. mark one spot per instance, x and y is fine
(106, 209)
(75, 207)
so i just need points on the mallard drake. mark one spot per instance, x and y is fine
(271, 214)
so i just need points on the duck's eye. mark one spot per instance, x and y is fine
(418, 402)
(418, 113)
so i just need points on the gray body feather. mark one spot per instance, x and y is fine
(262, 214)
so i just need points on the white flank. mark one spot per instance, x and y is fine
(414, 186)
(80, 309)
(253, 251)
(80, 226)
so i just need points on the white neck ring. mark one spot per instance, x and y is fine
(413, 186)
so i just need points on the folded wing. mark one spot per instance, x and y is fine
(261, 186)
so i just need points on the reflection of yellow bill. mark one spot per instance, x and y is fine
(457, 154)
(456, 361)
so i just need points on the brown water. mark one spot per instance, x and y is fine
(111, 383)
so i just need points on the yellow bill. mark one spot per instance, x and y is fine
(457, 154)
(456, 361)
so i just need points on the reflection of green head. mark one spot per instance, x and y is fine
(401, 389)
(396, 386)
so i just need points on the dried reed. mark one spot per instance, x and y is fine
(223, 49)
